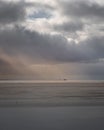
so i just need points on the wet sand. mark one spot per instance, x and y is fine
(51, 106)
(51, 94)
(52, 118)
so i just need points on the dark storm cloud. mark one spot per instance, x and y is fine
(56, 47)
(35, 45)
(84, 9)
(11, 12)
(70, 26)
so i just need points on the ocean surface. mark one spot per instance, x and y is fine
(51, 105)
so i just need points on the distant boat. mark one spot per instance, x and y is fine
(65, 79)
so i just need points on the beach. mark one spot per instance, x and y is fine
(52, 118)
(51, 106)
(51, 94)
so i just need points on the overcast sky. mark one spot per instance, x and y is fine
(52, 39)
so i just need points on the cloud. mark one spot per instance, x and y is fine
(83, 9)
(38, 46)
(71, 27)
(11, 12)
(62, 32)
(27, 54)
(50, 47)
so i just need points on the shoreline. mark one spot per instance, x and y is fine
(51, 81)
(51, 94)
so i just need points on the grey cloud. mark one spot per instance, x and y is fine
(83, 9)
(93, 71)
(70, 27)
(37, 47)
(14, 12)
(11, 12)
(88, 71)
(39, 5)
(56, 47)
(93, 47)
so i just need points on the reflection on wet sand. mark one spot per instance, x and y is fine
(53, 94)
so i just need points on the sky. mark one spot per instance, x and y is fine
(52, 39)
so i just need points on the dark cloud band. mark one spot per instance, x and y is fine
(11, 12)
